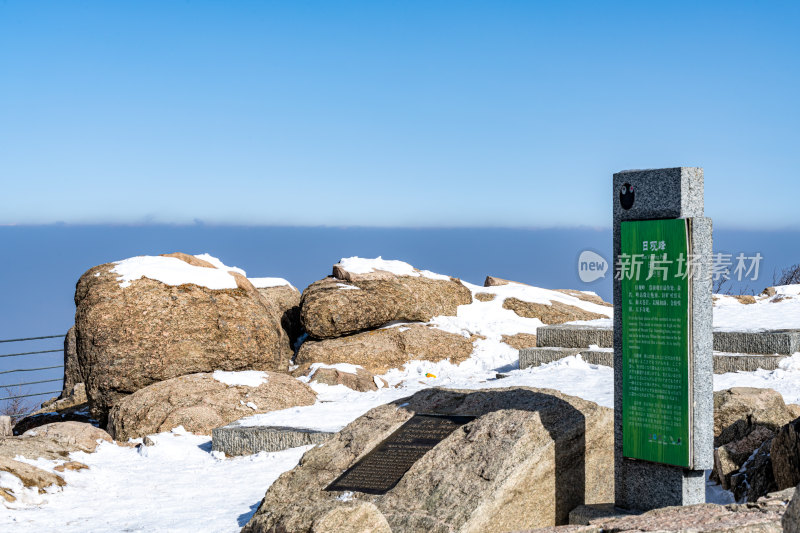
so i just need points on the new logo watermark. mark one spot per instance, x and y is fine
(591, 266)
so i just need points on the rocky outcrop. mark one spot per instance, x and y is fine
(785, 455)
(75, 436)
(72, 369)
(791, 518)
(528, 458)
(746, 421)
(333, 307)
(728, 459)
(702, 518)
(382, 349)
(53, 441)
(29, 476)
(356, 378)
(131, 336)
(755, 478)
(553, 313)
(739, 409)
(200, 403)
(72, 407)
(520, 340)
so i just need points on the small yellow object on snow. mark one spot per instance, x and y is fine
(429, 375)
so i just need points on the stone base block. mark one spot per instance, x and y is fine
(572, 336)
(247, 440)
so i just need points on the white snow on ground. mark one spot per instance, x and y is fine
(179, 485)
(785, 379)
(246, 378)
(360, 265)
(266, 283)
(173, 271)
(781, 311)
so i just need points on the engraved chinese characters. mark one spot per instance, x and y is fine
(384, 466)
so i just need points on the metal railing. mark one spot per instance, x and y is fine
(27, 381)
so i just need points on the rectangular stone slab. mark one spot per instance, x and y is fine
(247, 440)
(783, 342)
(384, 466)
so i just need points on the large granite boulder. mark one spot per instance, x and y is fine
(190, 315)
(527, 460)
(740, 409)
(202, 402)
(379, 350)
(350, 302)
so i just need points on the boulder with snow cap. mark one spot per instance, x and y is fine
(365, 294)
(148, 319)
(201, 402)
(382, 349)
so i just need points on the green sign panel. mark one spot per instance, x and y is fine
(654, 268)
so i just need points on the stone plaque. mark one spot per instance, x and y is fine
(383, 467)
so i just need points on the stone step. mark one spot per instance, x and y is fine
(779, 341)
(538, 356)
(574, 336)
(770, 342)
(723, 362)
(247, 440)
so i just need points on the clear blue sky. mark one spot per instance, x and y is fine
(392, 113)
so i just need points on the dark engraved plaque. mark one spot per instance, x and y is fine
(383, 467)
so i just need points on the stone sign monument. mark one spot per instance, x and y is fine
(663, 402)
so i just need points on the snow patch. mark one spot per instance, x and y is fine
(360, 265)
(266, 283)
(172, 271)
(245, 378)
(347, 368)
(346, 287)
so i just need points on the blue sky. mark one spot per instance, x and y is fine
(391, 113)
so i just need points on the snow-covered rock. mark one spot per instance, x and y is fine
(148, 319)
(387, 293)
